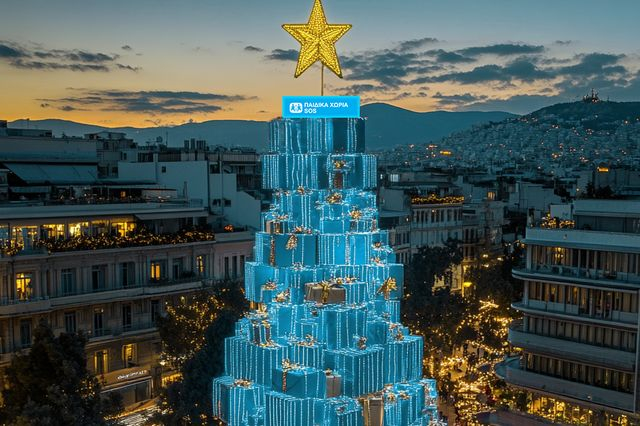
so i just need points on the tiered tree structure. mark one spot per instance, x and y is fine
(323, 344)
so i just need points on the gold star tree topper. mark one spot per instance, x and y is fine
(317, 41)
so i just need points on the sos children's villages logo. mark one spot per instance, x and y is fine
(320, 106)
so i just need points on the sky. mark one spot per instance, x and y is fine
(146, 63)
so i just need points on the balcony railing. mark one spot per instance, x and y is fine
(513, 374)
(581, 273)
(151, 284)
(568, 349)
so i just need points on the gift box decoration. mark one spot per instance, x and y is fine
(339, 411)
(286, 249)
(303, 136)
(256, 276)
(339, 324)
(235, 399)
(361, 369)
(286, 410)
(377, 331)
(300, 381)
(244, 359)
(403, 359)
(307, 352)
(373, 410)
(260, 332)
(334, 384)
(325, 292)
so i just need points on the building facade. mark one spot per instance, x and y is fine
(579, 331)
(59, 264)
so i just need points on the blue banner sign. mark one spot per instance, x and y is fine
(320, 106)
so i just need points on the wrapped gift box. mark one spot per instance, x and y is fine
(307, 353)
(332, 249)
(260, 332)
(357, 292)
(308, 327)
(387, 309)
(377, 331)
(335, 226)
(253, 362)
(334, 384)
(295, 279)
(403, 359)
(284, 317)
(325, 293)
(287, 410)
(255, 276)
(339, 324)
(257, 418)
(340, 411)
(235, 400)
(344, 135)
(301, 205)
(373, 410)
(286, 249)
(404, 403)
(357, 170)
(361, 369)
(299, 381)
(291, 171)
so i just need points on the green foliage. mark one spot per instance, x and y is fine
(51, 384)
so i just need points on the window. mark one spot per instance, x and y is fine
(158, 270)
(164, 169)
(68, 281)
(127, 274)
(177, 268)
(201, 265)
(25, 333)
(155, 310)
(98, 275)
(129, 355)
(98, 322)
(23, 286)
(226, 267)
(101, 362)
(70, 322)
(126, 317)
(235, 267)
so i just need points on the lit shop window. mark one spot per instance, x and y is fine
(101, 362)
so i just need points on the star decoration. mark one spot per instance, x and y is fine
(317, 40)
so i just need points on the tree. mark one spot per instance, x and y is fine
(193, 334)
(183, 329)
(51, 384)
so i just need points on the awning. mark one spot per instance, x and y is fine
(55, 174)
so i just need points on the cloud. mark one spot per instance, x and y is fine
(443, 56)
(458, 99)
(563, 42)
(414, 44)
(7, 51)
(503, 49)
(283, 55)
(253, 49)
(35, 57)
(157, 102)
(126, 47)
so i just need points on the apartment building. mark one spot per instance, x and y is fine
(579, 331)
(92, 268)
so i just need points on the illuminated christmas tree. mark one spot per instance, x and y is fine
(323, 344)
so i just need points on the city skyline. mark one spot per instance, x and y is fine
(163, 63)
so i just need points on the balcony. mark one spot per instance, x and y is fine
(9, 307)
(569, 312)
(510, 371)
(566, 349)
(590, 277)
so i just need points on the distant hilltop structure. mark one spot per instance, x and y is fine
(591, 98)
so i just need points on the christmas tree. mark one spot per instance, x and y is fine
(323, 344)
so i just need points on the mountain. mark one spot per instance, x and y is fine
(387, 126)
